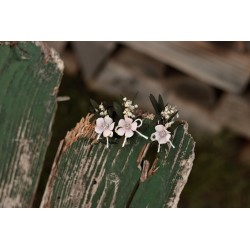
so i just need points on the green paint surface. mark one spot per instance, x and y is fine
(90, 175)
(29, 77)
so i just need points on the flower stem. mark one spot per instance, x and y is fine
(159, 147)
(124, 142)
(144, 136)
(171, 144)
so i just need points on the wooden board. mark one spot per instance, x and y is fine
(222, 68)
(234, 112)
(30, 75)
(87, 174)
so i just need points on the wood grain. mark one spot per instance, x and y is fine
(30, 75)
(222, 68)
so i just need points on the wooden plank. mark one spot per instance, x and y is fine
(91, 55)
(222, 68)
(196, 102)
(87, 174)
(234, 112)
(30, 75)
(139, 62)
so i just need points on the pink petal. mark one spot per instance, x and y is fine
(121, 123)
(129, 133)
(157, 136)
(120, 131)
(108, 120)
(128, 120)
(159, 128)
(134, 126)
(98, 130)
(163, 140)
(100, 122)
(111, 127)
(106, 133)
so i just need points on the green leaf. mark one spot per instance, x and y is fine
(87, 174)
(161, 103)
(135, 96)
(118, 109)
(94, 104)
(172, 116)
(155, 104)
(30, 76)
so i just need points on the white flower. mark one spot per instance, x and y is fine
(127, 127)
(102, 111)
(162, 135)
(104, 126)
(168, 111)
(129, 108)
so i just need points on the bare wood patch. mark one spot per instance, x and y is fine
(84, 128)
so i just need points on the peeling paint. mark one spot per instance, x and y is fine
(183, 175)
(84, 128)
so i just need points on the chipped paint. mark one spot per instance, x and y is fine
(84, 128)
(25, 134)
(112, 178)
(94, 178)
(51, 55)
(183, 174)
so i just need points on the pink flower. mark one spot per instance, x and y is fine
(127, 127)
(104, 126)
(162, 135)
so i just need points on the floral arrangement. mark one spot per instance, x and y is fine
(123, 120)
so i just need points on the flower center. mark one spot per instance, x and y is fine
(163, 133)
(127, 126)
(105, 126)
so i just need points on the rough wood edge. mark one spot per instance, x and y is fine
(49, 53)
(84, 128)
(187, 165)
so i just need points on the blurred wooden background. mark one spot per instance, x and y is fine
(208, 81)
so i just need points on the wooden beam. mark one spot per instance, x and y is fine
(222, 68)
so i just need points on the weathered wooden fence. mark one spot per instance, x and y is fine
(84, 173)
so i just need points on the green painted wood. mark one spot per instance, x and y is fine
(30, 75)
(163, 189)
(87, 174)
